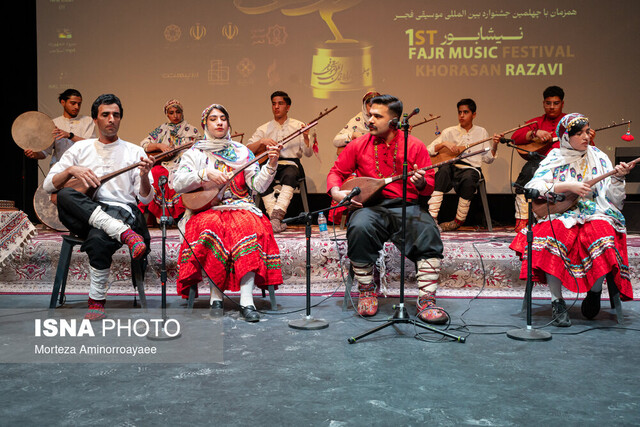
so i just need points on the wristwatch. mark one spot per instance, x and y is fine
(71, 135)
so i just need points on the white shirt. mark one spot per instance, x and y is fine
(276, 131)
(81, 126)
(461, 137)
(103, 159)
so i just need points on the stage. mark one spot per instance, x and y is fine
(476, 264)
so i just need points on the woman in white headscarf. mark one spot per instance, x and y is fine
(578, 248)
(358, 125)
(233, 241)
(166, 137)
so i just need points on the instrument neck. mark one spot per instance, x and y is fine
(595, 180)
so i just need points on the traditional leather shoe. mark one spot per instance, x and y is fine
(560, 314)
(521, 224)
(216, 309)
(428, 311)
(367, 303)
(450, 226)
(591, 305)
(276, 221)
(250, 314)
(96, 310)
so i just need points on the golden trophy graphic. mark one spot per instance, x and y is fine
(339, 65)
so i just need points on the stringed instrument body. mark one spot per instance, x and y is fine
(542, 208)
(445, 153)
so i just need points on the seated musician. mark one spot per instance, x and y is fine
(462, 176)
(233, 241)
(358, 125)
(591, 235)
(289, 165)
(544, 131)
(164, 138)
(111, 217)
(379, 154)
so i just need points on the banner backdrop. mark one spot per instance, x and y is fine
(430, 54)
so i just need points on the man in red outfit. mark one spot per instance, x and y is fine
(544, 131)
(380, 154)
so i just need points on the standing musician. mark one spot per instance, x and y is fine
(166, 137)
(233, 241)
(379, 154)
(111, 218)
(543, 131)
(289, 166)
(578, 248)
(463, 176)
(70, 127)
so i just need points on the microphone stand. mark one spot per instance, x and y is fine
(401, 315)
(164, 221)
(308, 322)
(529, 334)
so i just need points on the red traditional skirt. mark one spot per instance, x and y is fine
(173, 201)
(229, 244)
(585, 251)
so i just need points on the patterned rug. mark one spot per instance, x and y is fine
(476, 263)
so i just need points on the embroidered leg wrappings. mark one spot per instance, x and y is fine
(269, 203)
(97, 293)
(435, 202)
(427, 277)
(522, 209)
(368, 300)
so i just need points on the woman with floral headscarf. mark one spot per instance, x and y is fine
(166, 137)
(578, 248)
(233, 241)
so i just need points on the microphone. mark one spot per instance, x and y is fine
(393, 124)
(532, 193)
(405, 119)
(162, 181)
(504, 140)
(413, 113)
(552, 197)
(354, 192)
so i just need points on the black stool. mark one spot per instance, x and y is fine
(60, 282)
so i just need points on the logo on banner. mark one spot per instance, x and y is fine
(218, 74)
(172, 33)
(230, 31)
(198, 31)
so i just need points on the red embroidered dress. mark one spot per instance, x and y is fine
(234, 237)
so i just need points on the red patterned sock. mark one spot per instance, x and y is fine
(96, 310)
(135, 243)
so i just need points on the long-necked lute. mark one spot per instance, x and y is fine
(78, 185)
(541, 208)
(370, 188)
(179, 148)
(210, 194)
(539, 146)
(446, 154)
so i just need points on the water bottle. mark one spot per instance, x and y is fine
(322, 225)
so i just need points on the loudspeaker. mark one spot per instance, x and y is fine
(631, 212)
